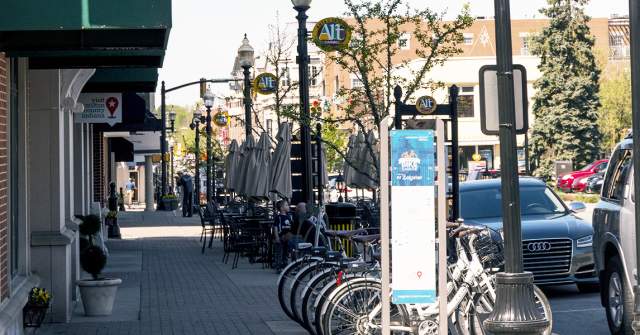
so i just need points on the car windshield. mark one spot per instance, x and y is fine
(487, 203)
(587, 168)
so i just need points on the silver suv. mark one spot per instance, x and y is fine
(614, 240)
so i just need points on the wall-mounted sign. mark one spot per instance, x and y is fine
(331, 34)
(426, 105)
(265, 83)
(221, 119)
(413, 217)
(100, 108)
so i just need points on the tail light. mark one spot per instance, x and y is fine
(339, 279)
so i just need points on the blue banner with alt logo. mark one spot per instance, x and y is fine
(412, 158)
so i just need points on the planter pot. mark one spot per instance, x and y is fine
(98, 295)
(33, 315)
(170, 204)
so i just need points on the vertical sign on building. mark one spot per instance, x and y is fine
(413, 237)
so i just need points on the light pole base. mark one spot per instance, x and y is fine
(515, 311)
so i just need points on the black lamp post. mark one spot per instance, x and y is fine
(246, 59)
(514, 311)
(208, 103)
(195, 125)
(339, 187)
(301, 6)
(172, 119)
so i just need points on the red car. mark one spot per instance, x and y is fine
(576, 180)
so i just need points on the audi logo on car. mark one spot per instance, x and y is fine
(539, 246)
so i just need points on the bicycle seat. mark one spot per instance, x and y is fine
(303, 246)
(366, 238)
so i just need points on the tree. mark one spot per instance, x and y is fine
(374, 58)
(566, 102)
(614, 116)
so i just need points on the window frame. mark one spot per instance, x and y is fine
(614, 169)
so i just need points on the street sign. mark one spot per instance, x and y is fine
(413, 216)
(265, 83)
(100, 108)
(489, 99)
(331, 34)
(426, 105)
(221, 119)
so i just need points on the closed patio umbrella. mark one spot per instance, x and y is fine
(249, 165)
(280, 172)
(262, 153)
(369, 158)
(347, 169)
(358, 164)
(239, 176)
(231, 165)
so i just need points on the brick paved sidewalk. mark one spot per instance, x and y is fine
(180, 290)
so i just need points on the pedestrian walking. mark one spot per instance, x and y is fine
(130, 188)
(186, 182)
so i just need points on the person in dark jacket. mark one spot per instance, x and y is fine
(187, 194)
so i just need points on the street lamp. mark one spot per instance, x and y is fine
(195, 125)
(209, 99)
(172, 180)
(301, 6)
(340, 185)
(246, 59)
(172, 119)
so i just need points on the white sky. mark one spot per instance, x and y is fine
(206, 34)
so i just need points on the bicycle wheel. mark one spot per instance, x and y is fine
(349, 308)
(299, 283)
(285, 280)
(472, 323)
(309, 295)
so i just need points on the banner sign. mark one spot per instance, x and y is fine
(331, 34)
(413, 217)
(100, 108)
(265, 83)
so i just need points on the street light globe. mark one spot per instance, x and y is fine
(301, 3)
(172, 115)
(208, 98)
(197, 114)
(245, 53)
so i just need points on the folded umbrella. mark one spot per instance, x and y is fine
(280, 172)
(231, 165)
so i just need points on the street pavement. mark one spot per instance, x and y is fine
(169, 287)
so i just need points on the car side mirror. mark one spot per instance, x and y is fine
(577, 206)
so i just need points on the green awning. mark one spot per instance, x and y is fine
(91, 58)
(123, 80)
(53, 30)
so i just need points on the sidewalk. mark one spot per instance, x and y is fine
(169, 287)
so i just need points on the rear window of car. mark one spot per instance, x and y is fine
(487, 203)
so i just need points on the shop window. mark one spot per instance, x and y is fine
(404, 42)
(465, 106)
(468, 38)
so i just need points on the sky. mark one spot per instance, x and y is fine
(206, 34)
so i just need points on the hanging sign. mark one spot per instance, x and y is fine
(100, 108)
(331, 34)
(265, 83)
(426, 105)
(413, 217)
(221, 119)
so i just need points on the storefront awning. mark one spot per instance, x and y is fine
(122, 149)
(122, 80)
(101, 33)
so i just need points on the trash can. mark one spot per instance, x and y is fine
(342, 216)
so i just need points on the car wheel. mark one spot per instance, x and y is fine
(618, 299)
(588, 287)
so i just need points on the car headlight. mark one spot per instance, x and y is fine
(585, 242)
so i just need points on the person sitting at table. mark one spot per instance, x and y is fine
(282, 234)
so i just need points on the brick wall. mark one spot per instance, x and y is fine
(4, 187)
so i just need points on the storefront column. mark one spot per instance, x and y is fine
(148, 183)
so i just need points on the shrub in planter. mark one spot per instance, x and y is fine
(98, 293)
(170, 202)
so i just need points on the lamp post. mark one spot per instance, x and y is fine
(246, 59)
(208, 103)
(195, 125)
(301, 6)
(340, 186)
(514, 311)
(172, 120)
(172, 180)
(163, 143)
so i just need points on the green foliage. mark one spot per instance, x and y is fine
(338, 137)
(614, 117)
(90, 225)
(93, 260)
(566, 102)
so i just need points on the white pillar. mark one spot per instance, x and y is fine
(148, 183)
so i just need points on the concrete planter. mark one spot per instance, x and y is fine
(98, 295)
